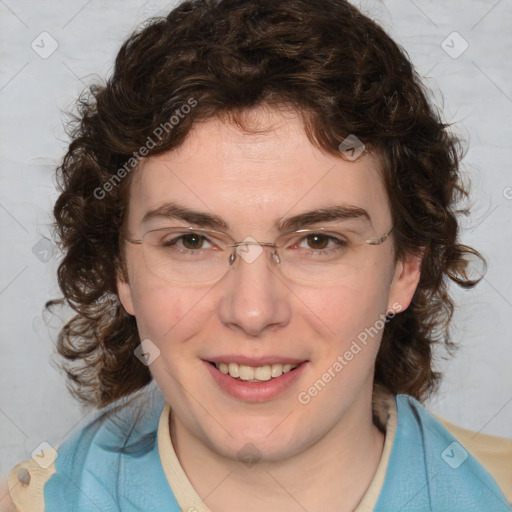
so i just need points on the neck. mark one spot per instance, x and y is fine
(331, 474)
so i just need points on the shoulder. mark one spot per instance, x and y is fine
(89, 465)
(494, 453)
(429, 469)
(26, 483)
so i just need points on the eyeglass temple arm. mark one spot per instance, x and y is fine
(132, 241)
(382, 239)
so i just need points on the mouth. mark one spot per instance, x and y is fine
(256, 379)
(247, 373)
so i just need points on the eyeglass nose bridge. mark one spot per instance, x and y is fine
(275, 254)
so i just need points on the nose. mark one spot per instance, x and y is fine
(255, 299)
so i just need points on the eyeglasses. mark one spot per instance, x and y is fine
(188, 255)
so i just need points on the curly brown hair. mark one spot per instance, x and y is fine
(343, 75)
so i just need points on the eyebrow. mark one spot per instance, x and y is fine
(179, 212)
(328, 214)
(302, 220)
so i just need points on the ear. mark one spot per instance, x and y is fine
(405, 281)
(125, 293)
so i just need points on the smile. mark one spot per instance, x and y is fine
(255, 379)
(254, 374)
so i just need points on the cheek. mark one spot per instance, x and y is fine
(165, 313)
(339, 313)
(343, 356)
(173, 319)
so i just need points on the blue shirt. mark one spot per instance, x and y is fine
(113, 465)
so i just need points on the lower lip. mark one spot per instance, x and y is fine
(255, 391)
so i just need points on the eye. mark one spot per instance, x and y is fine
(320, 241)
(316, 241)
(192, 241)
(189, 241)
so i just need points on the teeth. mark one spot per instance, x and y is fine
(263, 373)
(277, 370)
(245, 372)
(234, 370)
(254, 374)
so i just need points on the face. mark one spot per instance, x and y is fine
(253, 316)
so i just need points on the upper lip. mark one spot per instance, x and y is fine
(254, 361)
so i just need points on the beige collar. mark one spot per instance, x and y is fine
(188, 499)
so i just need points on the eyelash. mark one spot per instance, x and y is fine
(175, 241)
(338, 243)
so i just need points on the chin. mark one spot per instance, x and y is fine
(266, 441)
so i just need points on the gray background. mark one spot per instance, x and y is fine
(476, 96)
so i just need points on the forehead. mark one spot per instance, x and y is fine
(254, 176)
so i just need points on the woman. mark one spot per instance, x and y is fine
(257, 212)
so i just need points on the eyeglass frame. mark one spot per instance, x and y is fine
(235, 245)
